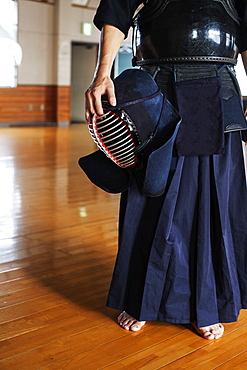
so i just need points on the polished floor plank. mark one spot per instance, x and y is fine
(49, 299)
(237, 363)
(211, 356)
(58, 242)
(70, 337)
(34, 321)
(58, 281)
(122, 346)
(55, 332)
(65, 347)
(83, 290)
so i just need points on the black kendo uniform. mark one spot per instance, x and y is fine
(183, 254)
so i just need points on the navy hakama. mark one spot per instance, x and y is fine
(183, 255)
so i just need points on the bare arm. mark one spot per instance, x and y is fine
(244, 59)
(111, 39)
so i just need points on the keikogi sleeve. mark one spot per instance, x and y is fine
(241, 6)
(118, 13)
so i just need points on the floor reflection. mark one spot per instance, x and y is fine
(10, 197)
(48, 206)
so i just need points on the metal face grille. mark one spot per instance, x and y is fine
(112, 134)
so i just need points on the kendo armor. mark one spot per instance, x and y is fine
(186, 31)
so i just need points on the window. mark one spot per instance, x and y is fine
(10, 50)
(123, 59)
(241, 76)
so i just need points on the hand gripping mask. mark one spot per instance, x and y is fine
(135, 137)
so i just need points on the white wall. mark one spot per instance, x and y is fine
(45, 35)
(37, 39)
(241, 76)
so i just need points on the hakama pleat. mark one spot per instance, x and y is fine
(183, 256)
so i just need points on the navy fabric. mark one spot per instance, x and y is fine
(117, 13)
(241, 6)
(134, 84)
(233, 118)
(200, 105)
(104, 173)
(182, 256)
(156, 122)
(159, 161)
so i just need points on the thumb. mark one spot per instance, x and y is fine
(111, 95)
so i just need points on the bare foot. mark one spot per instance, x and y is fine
(129, 323)
(210, 332)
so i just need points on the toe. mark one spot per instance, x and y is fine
(137, 325)
(121, 317)
(128, 322)
(208, 335)
(219, 331)
(210, 332)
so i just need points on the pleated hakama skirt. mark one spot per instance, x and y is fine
(183, 255)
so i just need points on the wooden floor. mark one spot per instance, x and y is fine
(58, 241)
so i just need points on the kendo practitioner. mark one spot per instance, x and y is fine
(183, 253)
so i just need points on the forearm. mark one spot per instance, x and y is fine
(244, 58)
(111, 39)
(110, 42)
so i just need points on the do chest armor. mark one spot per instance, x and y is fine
(186, 30)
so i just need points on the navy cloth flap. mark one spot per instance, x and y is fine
(200, 104)
(234, 119)
(104, 173)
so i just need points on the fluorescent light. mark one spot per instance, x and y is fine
(79, 2)
(86, 28)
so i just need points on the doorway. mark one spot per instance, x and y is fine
(84, 58)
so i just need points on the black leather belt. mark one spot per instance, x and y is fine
(190, 59)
